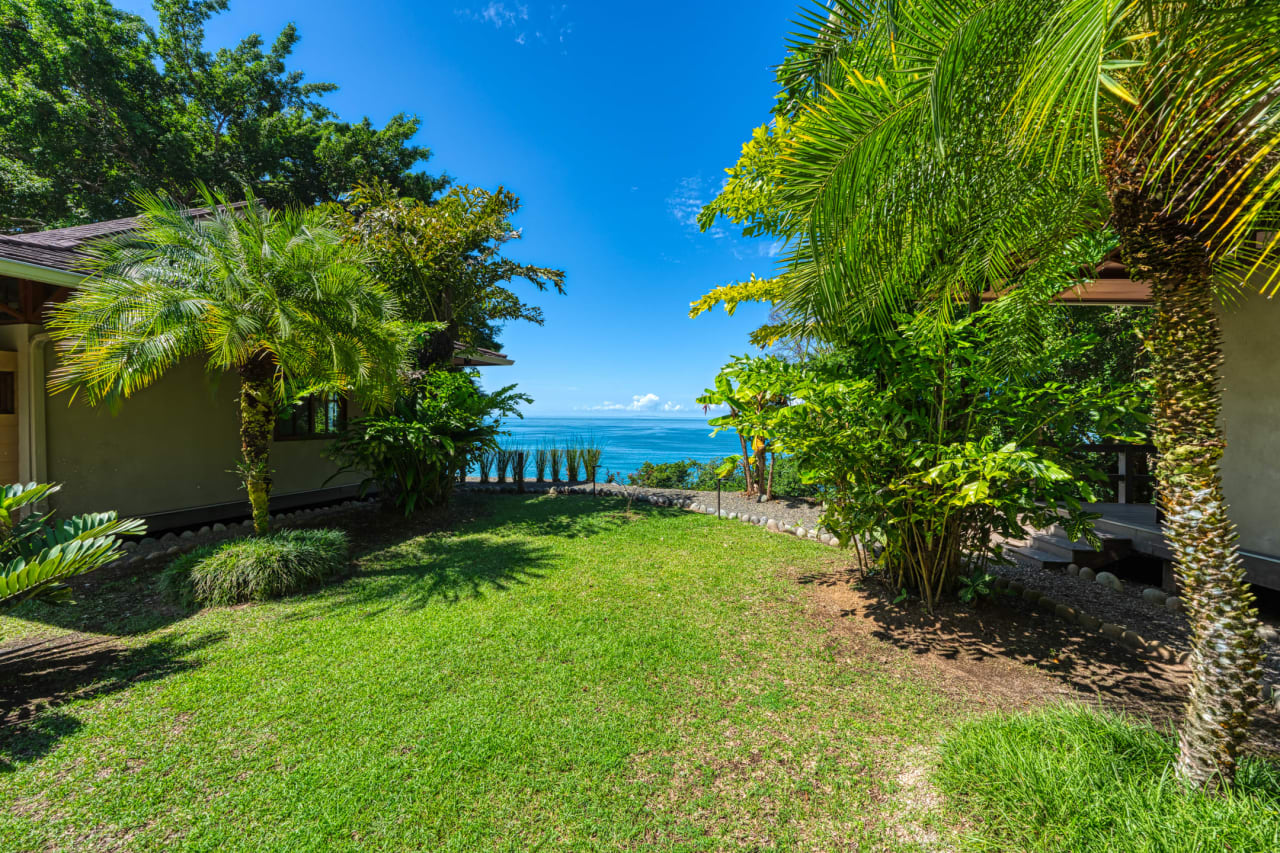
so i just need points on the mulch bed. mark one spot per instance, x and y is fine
(1004, 654)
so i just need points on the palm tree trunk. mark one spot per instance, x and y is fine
(1186, 343)
(257, 420)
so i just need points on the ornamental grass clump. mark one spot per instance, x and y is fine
(485, 460)
(555, 456)
(519, 461)
(572, 459)
(259, 568)
(502, 459)
(541, 456)
(591, 454)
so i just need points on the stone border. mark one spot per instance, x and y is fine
(173, 544)
(1118, 634)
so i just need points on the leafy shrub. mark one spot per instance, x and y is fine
(930, 442)
(415, 452)
(259, 568)
(1077, 780)
(701, 476)
(663, 475)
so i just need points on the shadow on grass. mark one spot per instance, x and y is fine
(114, 601)
(485, 544)
(38, 676)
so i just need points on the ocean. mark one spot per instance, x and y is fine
(626, 442)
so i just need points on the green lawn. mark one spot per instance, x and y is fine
(553, 674)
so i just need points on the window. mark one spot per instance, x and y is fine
(317, 416)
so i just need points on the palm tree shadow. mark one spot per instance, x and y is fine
(36, 677)
(503, 543)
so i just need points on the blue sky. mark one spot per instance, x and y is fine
(612, 121)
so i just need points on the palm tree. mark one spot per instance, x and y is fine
(1183, 100)
(915, 124)
(276, 296)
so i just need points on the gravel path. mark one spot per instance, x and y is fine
(790, 512)
(1127, 608)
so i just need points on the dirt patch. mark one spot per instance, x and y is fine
(1005, 655)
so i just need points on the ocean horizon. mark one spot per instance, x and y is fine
(627, 442)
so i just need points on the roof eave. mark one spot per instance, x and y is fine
(35, 272)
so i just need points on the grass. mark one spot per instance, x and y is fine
(555, 674)
(257, 569)
(1075, 780)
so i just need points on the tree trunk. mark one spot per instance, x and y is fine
(257, 421)
(1186, 344)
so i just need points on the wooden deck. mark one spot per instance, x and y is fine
(1137, 522)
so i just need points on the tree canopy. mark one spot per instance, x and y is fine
(98, 105)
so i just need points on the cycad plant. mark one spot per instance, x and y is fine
(541, 456)
(555, 457)
(276, 296)
(38, 554)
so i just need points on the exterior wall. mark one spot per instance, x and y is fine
(171, 447)
(1251, 420)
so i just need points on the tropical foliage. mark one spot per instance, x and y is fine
(431, 435)
(98, 105)
(276, 296)
(933, 454)
(753, 390)
(444, 262)
(38, 554)
(925, 152)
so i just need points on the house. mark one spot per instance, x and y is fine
(169, 454)
(1250, 421)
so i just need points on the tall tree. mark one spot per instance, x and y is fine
(276, 296)
(98, 105)
(444, 262)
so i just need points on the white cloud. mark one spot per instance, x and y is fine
(502, 14)
(639, 403)
(644, 403)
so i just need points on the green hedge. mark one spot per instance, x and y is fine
(257, 569)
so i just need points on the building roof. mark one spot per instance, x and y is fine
(464, 356)
(1110, 285)
(54, 257)
(62, 249)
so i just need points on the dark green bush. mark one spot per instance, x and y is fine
(257, 569)
(1077, 780)
(701, 476)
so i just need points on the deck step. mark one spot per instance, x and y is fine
(1081, 552)
(1034, 556)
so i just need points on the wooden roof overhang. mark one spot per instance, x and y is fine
(1111, 285)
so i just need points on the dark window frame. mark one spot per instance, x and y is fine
(328, 410)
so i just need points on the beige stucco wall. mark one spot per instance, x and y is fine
(1251, 419)
(172, 446)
